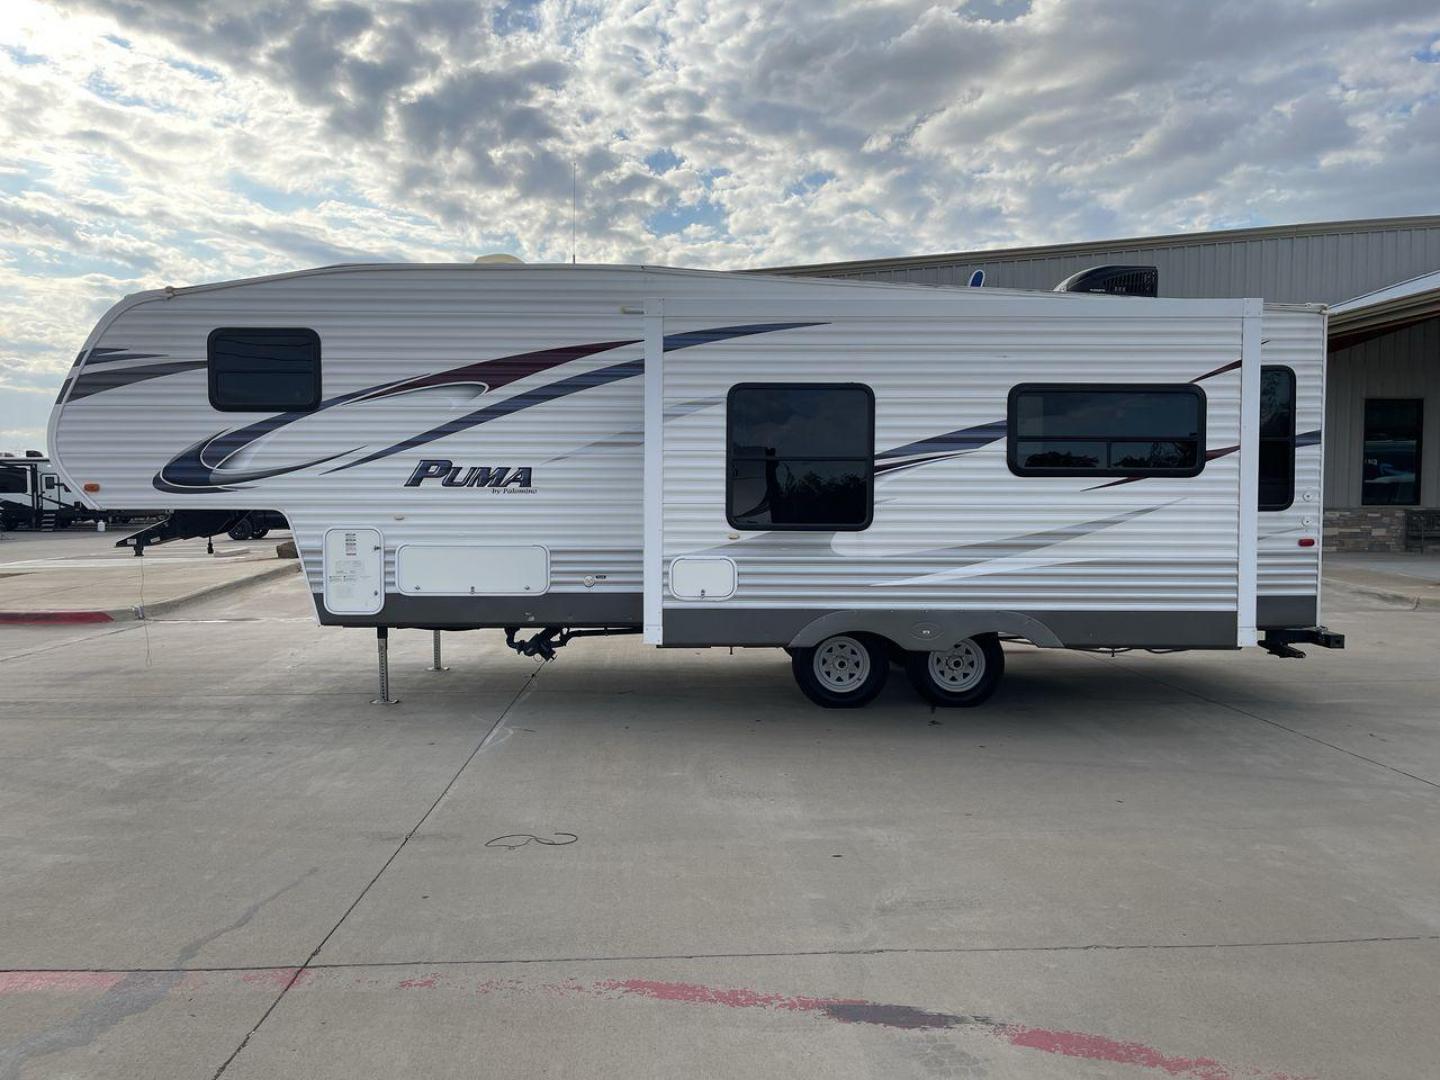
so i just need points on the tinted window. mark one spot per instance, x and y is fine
(1392, 452)
(800, 456)
(12, 480)
(808, 421)
(1106, 430)
(1117, 413)
(264, 369)
(1277, 438)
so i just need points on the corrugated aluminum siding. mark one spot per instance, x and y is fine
(378, 325)
(1296, 339)
(1303, 264)
(1403, 364)
(965, 532)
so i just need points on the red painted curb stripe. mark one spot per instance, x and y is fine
(1076, 1044)
(1086, 1046)
(55, 617)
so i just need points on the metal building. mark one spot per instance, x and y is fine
(1382, 280)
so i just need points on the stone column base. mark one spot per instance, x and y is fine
(1370, 528)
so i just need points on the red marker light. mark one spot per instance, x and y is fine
(1306, 541)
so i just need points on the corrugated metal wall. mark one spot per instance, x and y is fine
(1304, 264)
(1403, 364)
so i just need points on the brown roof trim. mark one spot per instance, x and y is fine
(1100, 247)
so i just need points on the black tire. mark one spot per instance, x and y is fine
(960, 677)
(845, 671)
(260, 534)
(242, 530)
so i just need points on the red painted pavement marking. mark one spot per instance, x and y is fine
(27, 982)
(709, 995)
(278, 978)
(1075, 1044)
(77, 982)
(1101, 1048)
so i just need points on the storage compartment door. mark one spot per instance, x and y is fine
(472, 570)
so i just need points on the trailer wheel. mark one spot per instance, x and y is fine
(961, 676)
(260, 534)
(242, 530)
(842, 672)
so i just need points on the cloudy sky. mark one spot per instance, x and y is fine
(153, 142)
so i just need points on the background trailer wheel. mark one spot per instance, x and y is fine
(842, 672)
(961, 676)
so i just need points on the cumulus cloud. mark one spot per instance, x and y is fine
(145, 142)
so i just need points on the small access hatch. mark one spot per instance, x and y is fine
(694, 578)
(354, 571)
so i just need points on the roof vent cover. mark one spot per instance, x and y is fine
(1116, 280)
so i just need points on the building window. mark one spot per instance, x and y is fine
(1277, 438)
(1392, 452)
(1074, 429)
(800, 456)
(264, 369)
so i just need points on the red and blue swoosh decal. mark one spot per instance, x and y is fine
(201, 468)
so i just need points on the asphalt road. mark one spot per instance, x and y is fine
(219, 859)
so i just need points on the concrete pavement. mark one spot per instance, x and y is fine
(78, 575)
(220, 856)
(1407, 578)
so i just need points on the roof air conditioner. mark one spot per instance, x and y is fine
(1116, 280)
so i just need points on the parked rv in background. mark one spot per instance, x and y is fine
(33, 495)
(851, 471)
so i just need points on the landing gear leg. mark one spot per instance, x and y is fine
(382, 645)
(437, 665)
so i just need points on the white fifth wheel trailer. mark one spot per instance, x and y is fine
(857, 473)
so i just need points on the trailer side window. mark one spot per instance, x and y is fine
(264, 369)
(800, 456)
(12, 481)
(1277, 438)
(1075, 429)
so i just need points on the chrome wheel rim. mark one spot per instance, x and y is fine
(842, 665)
(958, 669)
